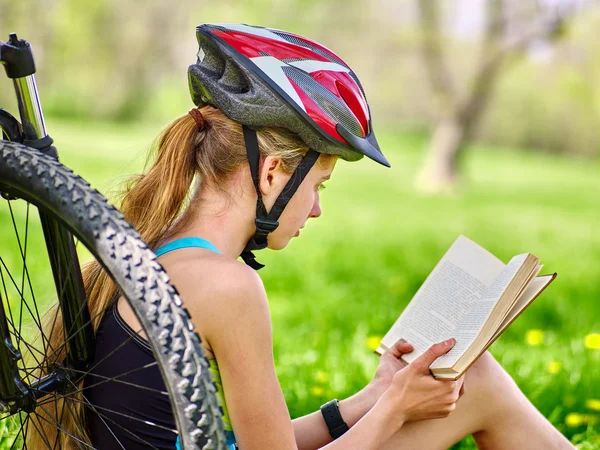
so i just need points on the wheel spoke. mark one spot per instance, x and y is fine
(116, 380)
(39, 325)
(26, 273)
(100, 416)
(42, 435)
(2, 264)
(121, 345)
(91, 289)
(60, 348)
(60, 420)
(127, 416)
(12, 216)
(58, 426)
(103, 416)
(16, 436)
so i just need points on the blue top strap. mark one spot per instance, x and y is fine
(186, 242)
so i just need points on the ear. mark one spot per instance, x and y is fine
(271, 177)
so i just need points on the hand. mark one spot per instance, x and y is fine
(417, 394)
(389, 364)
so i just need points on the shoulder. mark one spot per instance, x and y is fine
(202, 271)
(219, 292)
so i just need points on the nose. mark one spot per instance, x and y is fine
(316, 207)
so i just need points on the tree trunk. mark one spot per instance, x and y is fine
(439, 173)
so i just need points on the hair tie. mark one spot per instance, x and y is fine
(198, 118)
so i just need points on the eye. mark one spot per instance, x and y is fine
(322, 186)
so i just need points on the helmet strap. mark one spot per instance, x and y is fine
(268, 222)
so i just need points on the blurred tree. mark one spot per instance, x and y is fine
(510, 28)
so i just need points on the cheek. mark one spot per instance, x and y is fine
(305, 204)
(297, 210)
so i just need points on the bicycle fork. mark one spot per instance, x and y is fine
(15, 394)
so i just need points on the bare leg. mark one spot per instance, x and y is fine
(493, 410)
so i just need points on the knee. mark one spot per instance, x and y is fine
(489, 381)
(485, 367)
(486, 377)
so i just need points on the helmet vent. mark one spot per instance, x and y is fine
(337, 111)
(295, 40)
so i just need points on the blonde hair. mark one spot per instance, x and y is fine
(154, 202)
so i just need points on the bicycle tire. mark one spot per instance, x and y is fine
(48, 185)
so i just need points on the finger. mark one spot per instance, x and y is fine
(462, 390)
(400, 348)
(461, 384)
(434, 352)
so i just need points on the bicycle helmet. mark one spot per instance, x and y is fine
(262, 77)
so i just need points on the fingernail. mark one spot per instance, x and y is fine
(450, 342)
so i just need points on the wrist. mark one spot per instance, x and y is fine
(355, 407)
(384, 418)
(375, 389)
(391, 409)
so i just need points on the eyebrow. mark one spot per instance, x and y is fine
(326, 177)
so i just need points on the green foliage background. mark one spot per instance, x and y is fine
(107, 59)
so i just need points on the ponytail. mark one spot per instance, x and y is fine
(154, 199)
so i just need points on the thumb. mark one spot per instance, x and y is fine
(434, 352)
(399, 348)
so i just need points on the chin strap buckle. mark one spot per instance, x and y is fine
(250, 260)
(266, 226)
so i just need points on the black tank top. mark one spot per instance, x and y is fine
(133, 410)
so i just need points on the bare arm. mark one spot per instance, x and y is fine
(237, 326)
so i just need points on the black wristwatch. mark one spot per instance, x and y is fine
(333, 419)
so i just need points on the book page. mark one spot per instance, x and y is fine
(462, 277)
(528, 295)
(478, 313)
(533, 290)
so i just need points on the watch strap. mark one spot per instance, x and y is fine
(333, 419)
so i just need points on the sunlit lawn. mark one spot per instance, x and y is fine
(339, 286)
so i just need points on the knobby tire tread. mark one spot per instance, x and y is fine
(142, 280)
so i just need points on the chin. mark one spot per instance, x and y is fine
(278, 243)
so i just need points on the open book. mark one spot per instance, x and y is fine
(471, 296)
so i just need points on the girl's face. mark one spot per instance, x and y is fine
(303, 205)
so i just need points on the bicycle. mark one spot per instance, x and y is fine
(34, 375)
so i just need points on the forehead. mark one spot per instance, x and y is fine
(326, 163)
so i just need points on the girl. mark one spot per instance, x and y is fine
(242, 172)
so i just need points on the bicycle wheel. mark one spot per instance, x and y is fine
(29, 180)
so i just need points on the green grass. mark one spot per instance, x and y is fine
(352, 271)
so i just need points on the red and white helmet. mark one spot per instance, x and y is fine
(264, 77)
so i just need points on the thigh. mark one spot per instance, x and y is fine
(472, 411)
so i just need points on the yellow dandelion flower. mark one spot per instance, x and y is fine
(574, 419)
(373, 342)
(317, 391)
(593, 404)
(534, 337)
(321, 377)
(554, 367)
(593, 341)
